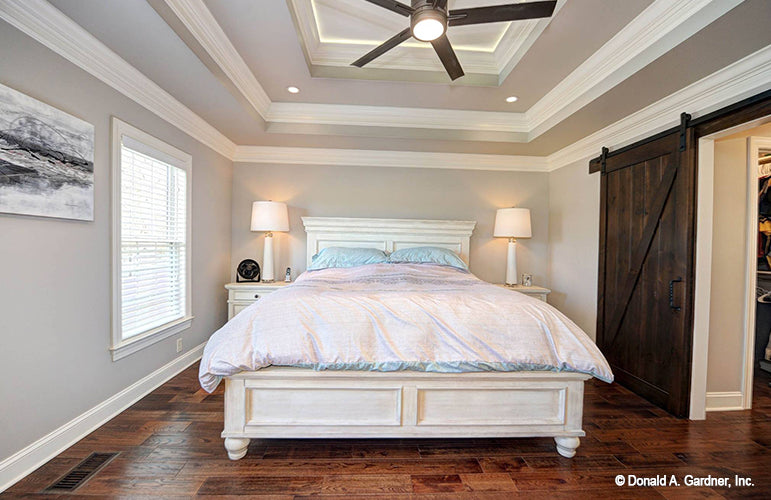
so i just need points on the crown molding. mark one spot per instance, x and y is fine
(204, 27)
(661, 26)
(46, 24)
(744, 78)
(392, 116)
(49, 26)
(378, 158)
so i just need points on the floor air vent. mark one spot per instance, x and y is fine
(82, 472)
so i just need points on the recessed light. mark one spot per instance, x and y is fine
(512, 98)
(292, 90)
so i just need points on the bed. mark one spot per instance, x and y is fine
(332, 392)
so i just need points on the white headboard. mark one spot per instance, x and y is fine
(387, 234)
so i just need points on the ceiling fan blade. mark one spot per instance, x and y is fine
(499, 13)
(442, 4)
(447, 56)
(393, 6)
(383, 48)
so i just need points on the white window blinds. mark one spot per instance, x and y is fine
(153, 239)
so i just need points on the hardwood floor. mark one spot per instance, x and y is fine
(170, 447)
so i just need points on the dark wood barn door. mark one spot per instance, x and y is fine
(646, 263)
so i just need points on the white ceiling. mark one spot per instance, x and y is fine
(593, 63)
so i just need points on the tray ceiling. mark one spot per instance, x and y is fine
(219, 70)
(334, 33)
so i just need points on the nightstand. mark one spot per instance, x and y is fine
(538, 292)
(241, 295)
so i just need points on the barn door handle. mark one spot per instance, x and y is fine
(672, 293)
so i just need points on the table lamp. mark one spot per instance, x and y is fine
(269, 216)
(512, 223)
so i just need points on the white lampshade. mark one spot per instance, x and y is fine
(269, 216)
(512, 223)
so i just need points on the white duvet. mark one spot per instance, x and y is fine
(388, 317)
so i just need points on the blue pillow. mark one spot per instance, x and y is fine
(428, 255)
(346, 257)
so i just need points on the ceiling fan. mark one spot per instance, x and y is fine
(429, 20)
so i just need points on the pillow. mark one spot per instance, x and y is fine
(346, 257)
(428, 255)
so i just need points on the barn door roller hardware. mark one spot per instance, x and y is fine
(685, 121)
(604, 159)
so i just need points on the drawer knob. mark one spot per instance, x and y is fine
(256, 295)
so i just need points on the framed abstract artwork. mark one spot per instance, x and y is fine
(46, 160)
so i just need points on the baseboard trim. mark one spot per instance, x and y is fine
(724, 401)
(23, 462)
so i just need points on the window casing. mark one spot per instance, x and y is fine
(151, 240)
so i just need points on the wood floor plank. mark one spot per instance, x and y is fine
(436, 483)
(489, 482)
(170, 447)
(366, 484)
(105, 485)
(246, 485)
(502, 464)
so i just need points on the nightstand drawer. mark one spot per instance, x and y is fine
(246, 295)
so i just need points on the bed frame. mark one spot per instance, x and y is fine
(282, 402)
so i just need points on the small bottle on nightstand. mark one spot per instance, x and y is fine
(288, 277)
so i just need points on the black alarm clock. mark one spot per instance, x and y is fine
(248, 271)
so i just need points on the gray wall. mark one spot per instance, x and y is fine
(410, 193)
(574, 225)
(55, 274)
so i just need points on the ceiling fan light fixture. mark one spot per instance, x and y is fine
(428, 24)
(429, 20)
(426, 30)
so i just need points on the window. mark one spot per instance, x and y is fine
(151, 240)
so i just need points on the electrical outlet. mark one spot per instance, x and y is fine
(179, 344)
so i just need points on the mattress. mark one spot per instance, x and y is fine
(389, 317)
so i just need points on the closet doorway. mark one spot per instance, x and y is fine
(757, 339)
(733, 269)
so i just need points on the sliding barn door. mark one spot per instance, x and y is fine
(645, 274)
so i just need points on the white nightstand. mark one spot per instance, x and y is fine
(241, 295)
(538, 292)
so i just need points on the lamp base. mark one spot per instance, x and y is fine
(511, 263)
(267, 260)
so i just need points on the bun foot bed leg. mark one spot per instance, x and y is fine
(566, 446)
(236, 447)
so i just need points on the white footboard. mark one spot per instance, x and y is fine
(282, 402)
